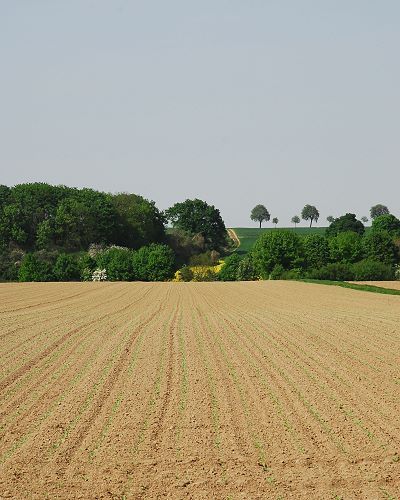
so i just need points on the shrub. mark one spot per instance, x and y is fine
(277, 272)
(186, 273)
(379, 246)
(370, 270)
(34, 269)
(229, 270)
(343, 224)
(277, 247)
(86, 265)
(204, 273)
(209, 258)
(346, 247)
(336, 271)
(154, 262)
(246, 270)
(118, 264)
(388, 223)
(316, 251)
(66, 268)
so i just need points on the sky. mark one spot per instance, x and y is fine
(283, 103)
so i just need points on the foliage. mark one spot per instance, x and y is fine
(346, 247)
(277, 247)
(33, 268)
(310, 213)
(316, 251)
(330, 219)
(197, 217)
(379, 246)
(364, 219)
(184, 244)
(10, 261)
(184, 274)
(345, 223)
(387, 222)
(246, 269)
(229, 271)
(371, 270)
(204, 273)
(260, 214)
(337, 271)
(154, 262)
(118, 263)
(86, 265)
(66, 268)
(378, 210)
(275, 221)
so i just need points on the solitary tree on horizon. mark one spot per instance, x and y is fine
(275, 221)
(378, 210)
(310, 213)
(295, 220)
(330, 219)
(260, 214)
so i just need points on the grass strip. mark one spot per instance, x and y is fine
(354, 286)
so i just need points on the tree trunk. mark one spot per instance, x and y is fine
(260, 224)
(311, 221)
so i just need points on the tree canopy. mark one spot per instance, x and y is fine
(260, 214)
(347, 222)
(378, 210)
(310, 213)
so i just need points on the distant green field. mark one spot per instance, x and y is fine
(248, 235)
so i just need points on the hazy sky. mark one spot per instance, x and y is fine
(236, 102)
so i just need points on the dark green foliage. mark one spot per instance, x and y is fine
(378, 210)
(316, 251)
(277, 272)
(184, 244)
(10, 261)
(277, 247)
(260, 214)
(347, 222)
(34, 268)
(379, 246)
(370, 270)
(209, 258)
(346, 247)
(388, 223)
(229, 271)
(66, 268)
(154, 262)
(197, 217)
(86, 265)
(335, 271)
(186, 273)
(310, 213)
(118, 263)
(246, 270)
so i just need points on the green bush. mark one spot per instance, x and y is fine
(229, 271)
(186, 273)
(343, 224)
(246, 270)
(35, 269)
(154, 262)
(118, 263)
(277, 248)
(388, 223)
(66, 268)
(86, 265)
(316, 251)
(346, 247)
(205, 274)
(336, 272)
(370, 270)
(277, 272)
(379, 246)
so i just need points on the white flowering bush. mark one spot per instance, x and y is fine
(99, 275)
(397, 271)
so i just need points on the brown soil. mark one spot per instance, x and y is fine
(198, 390)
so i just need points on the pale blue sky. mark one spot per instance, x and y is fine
(235, 102)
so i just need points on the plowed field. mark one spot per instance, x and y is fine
(198, 390)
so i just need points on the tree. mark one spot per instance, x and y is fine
(277, 247)
(378, 210)
(364, 219)
(387, 222)
(118, 264)
(379, 246)
(346, 247)
(316, 251)
(347, 222)
(66, 268)
(246, 270)
(197, 217)
(295, 220)
(154, 262)
(34, 269)
(275, 221)
(260, 214)
(310, 213)
(330, 219)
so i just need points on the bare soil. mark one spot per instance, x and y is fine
(198, 390)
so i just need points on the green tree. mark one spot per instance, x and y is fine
(277, 247)
(371, 270)
(387, 222)
(378, 210)
(275, 221)
(295, 220)
(364, 219)
(66, 268)
(346, 247)
(310, 213)
(34, 269)
(330, 219)
(379, 246)
(246, 269)
(197, 217)
(118, 263)
(316, 251)
(260, 214)
(345, 223)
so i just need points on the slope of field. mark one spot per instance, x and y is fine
(249, 235)
(198, 390)
(394, 285)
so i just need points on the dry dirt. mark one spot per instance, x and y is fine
(198, 390)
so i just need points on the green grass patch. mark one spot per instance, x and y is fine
(355, 286)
